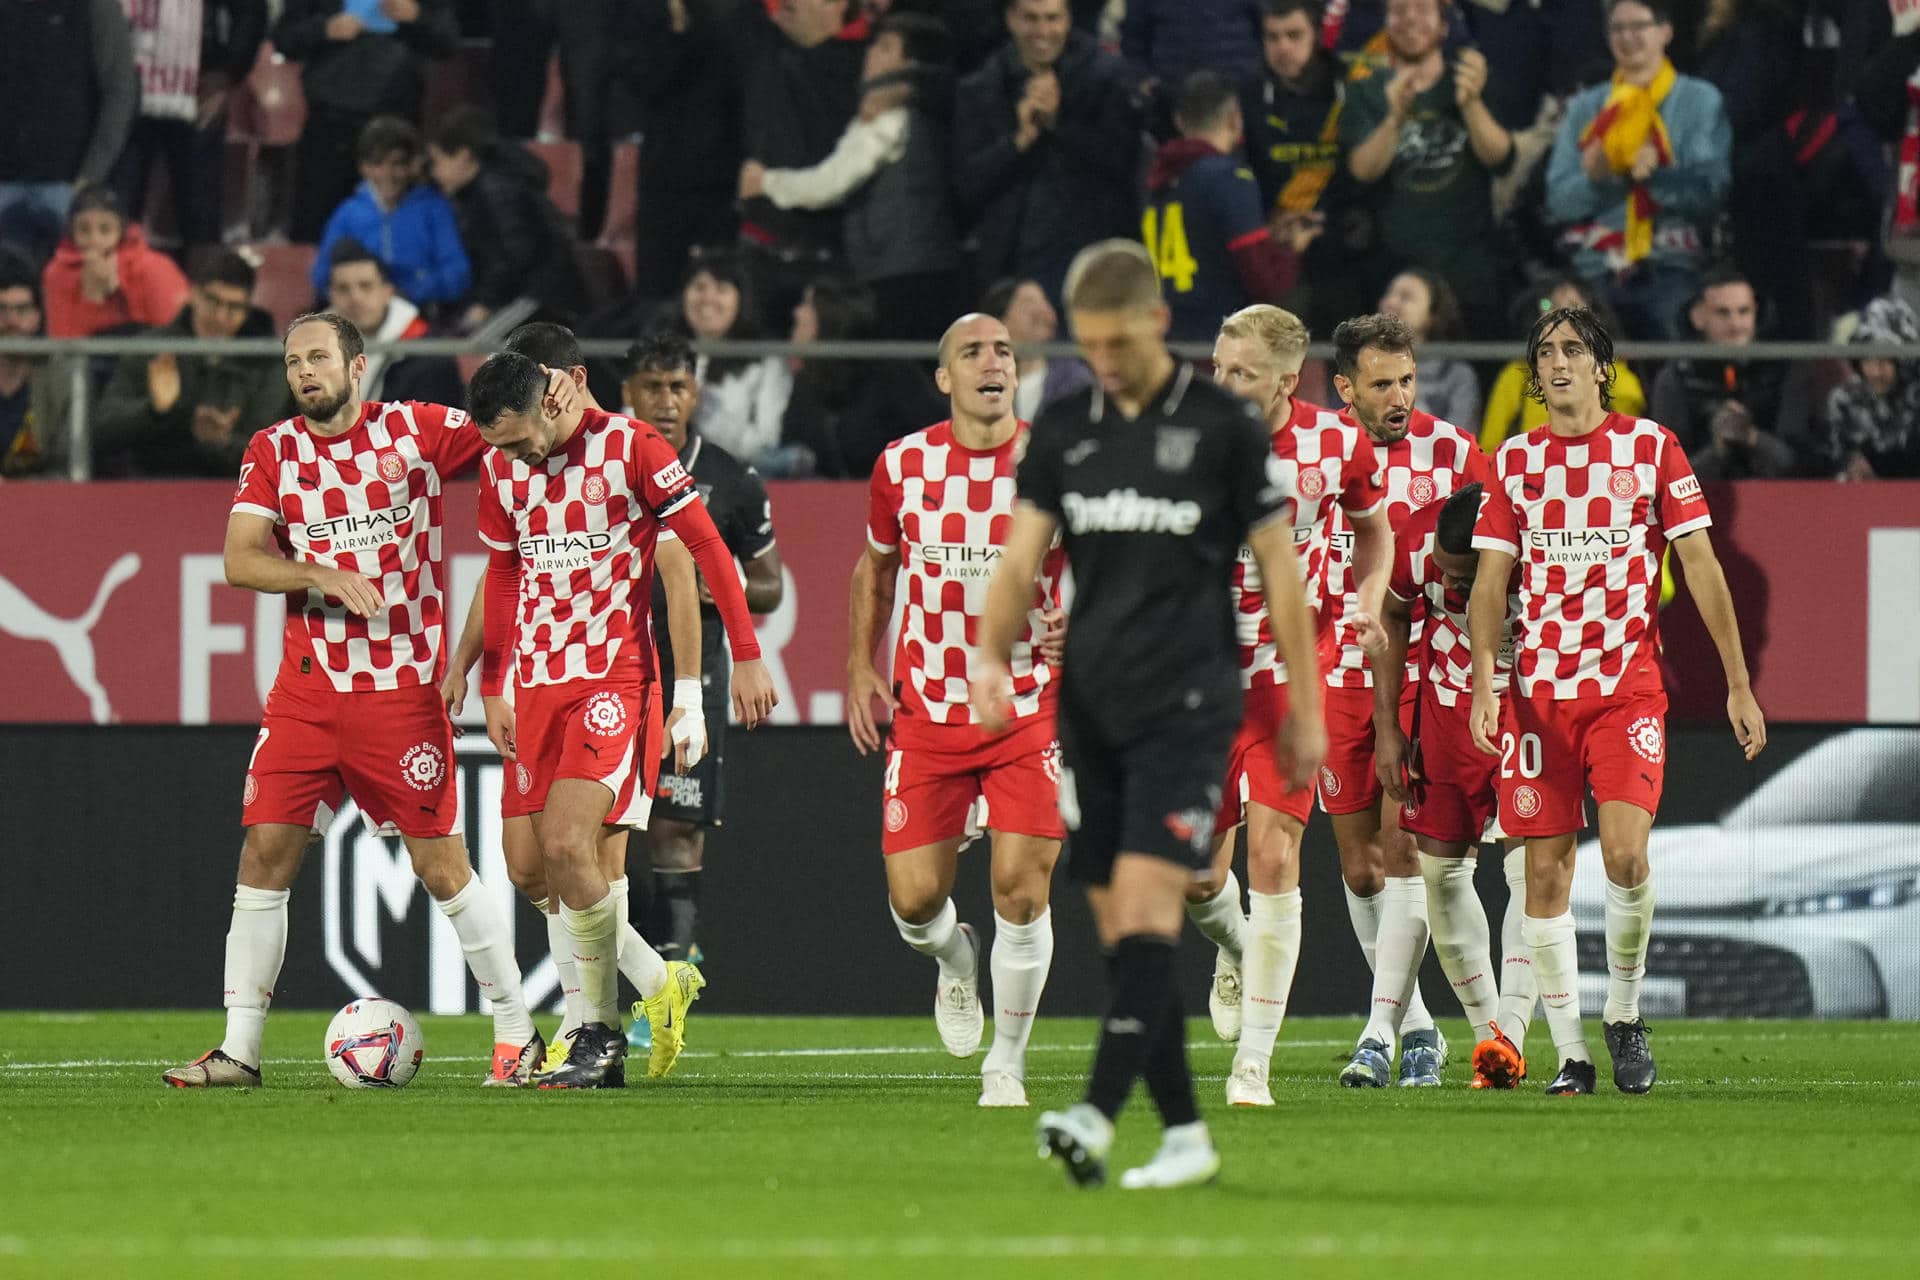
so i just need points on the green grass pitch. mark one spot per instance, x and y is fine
(852, 1147)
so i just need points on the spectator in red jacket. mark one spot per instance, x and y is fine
(105, 275)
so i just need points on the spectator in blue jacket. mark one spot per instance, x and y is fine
(1639, 175)
(407, 223)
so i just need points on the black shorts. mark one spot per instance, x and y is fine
(694, 797)
(1153, 791)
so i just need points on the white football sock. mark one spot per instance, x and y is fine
(560, 947)
(640, 964)
(1459, 924)
(489, 949)
(1629, 924)
(941, 938)
(1556, 965)
(1519, 992)
(1221, 921)
(1266, 977)
(1402, 943)
(1021, 956)
(256, 946)
(593, 937)
(1365, 915)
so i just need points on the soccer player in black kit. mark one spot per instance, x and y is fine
(1154, 478)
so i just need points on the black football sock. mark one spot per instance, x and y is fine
(677, 896)
(1168, 1078)
(1143, 977)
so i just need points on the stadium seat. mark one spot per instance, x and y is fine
(451, 81)
(284, 287)
(623, 200)
(563, 174)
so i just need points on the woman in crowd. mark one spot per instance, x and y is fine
(105, 276)
(742, 400)
(1031, 320)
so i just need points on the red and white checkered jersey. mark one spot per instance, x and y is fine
(1323, 462)
(1448, 666)
(946, 510)
(1588, 518)
(366, 501)
(1422, 468)
(583, 523)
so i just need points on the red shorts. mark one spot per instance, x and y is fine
(391, 750)
(1347, 781)
(598, 731)
(930, 793)
(1552, 751)
(1254, 775)
(1457, 793)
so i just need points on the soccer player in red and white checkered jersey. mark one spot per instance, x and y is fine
(940, 502)
(554, 347)
(1445, 785)
(1324, 463)
(1425, 460)
(339, 509)
(1586, 505)
(571, 501)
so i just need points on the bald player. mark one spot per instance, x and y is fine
(941, 501)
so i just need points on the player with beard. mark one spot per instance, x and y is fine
(1424, 460)
(572, 500)
(1153, 479)
(339, 509)
(1584, 507)
(1325, 462)
(939, 504)
(1443, 783)
(554, 347)
(664, 392)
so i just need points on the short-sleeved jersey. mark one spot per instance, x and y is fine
(1588, 518)
(1152, 513)
(1422, 469)
(946, 510)
(1325, 462)
(366, 501)
(582, 524)
(737, 500)
(1191, 228)
(1448, 666)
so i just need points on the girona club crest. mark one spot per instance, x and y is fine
(1329, 780)
(250, 792)
(1647, 741)
(522, 779)
(1421, 490)
(1624, 485)
(1526, 802)
(896, 814)
(594, 490)
(393, 467)
(424, 767)
(1050, 762)
(1313, 483)
(606, 715)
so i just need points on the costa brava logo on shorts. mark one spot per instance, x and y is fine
(250, 792)
(1421, 490)
(424, 767)
(1329, 780)
(896, 814)
(594, 490)
(1624, 485)
(1313, 483)
(1645, 736)
(606, 715)
(1050, 762)
(1526, 801)
(522, 780)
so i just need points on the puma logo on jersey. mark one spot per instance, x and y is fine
(1128, 511)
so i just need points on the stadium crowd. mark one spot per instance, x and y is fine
(1727, 170)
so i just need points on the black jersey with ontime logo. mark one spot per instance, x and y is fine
(736, 498)
(1152, 512)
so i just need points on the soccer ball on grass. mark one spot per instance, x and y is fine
(374, 1044)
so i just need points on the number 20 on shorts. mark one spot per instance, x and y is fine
(1523, 751)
